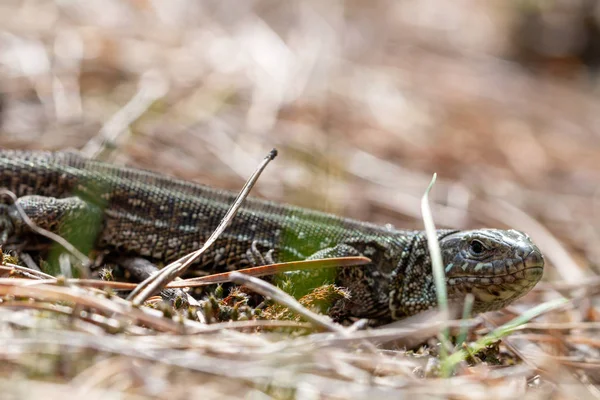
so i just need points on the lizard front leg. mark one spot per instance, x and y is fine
(78, 221)
(365, 300)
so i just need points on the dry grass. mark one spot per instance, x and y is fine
(364, 100)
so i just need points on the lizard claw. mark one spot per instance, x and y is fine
(256, 258)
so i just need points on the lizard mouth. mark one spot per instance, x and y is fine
(494, 292)
(528, 274)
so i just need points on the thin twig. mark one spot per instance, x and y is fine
(38, 274)
(266, 270)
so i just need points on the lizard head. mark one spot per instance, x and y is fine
(496, 266)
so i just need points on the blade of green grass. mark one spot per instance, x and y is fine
(437, 265)
(464, 326)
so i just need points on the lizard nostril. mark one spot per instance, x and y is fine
(534, 259)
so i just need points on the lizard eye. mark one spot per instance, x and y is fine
(477, 248)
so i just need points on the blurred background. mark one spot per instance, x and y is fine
(363, 99)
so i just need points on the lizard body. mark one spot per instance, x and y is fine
(141, 213)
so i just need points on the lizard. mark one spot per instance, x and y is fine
(145, 214)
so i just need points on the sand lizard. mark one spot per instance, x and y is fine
(141, 213)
